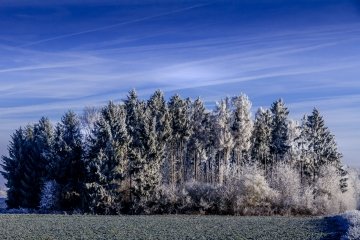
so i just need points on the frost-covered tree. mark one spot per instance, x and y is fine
(88, 119)
(67, 168)
(321, 146)
(261, 140)
(177, 157)
(242, 127)
(106, 160)
(279, 132)
(181, 131)
(224, 139)
(158, 126)
(196, 154)
(135, 125)
(155, 130)
(294, 132)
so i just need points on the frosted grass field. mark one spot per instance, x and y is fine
(60, 227)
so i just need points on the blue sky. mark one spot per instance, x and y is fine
(60, 55)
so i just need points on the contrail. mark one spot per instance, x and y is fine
(111, 26)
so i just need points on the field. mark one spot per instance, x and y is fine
(165, 227)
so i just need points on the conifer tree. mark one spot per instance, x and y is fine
(261, 139)
(13, 169)
(39, 154)
(279, 134)
(106, 160)
(224, 139)
(68, 167)
(198, 139)
(158, 132)
(180, 125)
(242, 127)
(322, 148)
(135, 125)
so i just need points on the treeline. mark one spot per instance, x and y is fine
(177, 157)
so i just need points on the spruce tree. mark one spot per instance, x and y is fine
(68, 167)
(158, 133)
(38, 154)
(13, 165)
(106, 160)
(241, 129)
(279, 133)
(261, 140)
(180, 125)
(322, 148)
(198, 139)
(135, 124)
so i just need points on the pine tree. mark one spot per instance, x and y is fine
(261, 140)
(322, 148)
(241, 129)
(106, 160)
(38, 155)
(224, 139)
(181, 131)
(68, 167)
(198, 139)
(158, 132)
(279, 134)
(13, 169)
(135, 124)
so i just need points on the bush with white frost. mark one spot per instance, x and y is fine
(249, 192)
(328, 196)
(49, 195)
(253, 193)
(292, 197)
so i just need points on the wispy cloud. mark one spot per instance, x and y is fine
(111, 26)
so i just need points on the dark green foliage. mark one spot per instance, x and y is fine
(13, 169)
(29, 158)
(67, 168)
(279, 133)
(321, 147)
(261, 139)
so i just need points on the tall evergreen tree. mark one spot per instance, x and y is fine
(181, 131)
(261, 139)
(279, 134)
(158, 133)
(224, 139)
(198, 139)
(242, 127)
(39, 152)
(135, 124)
(13, 165)
(322, 148)
(106, 160)
(68, 167)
